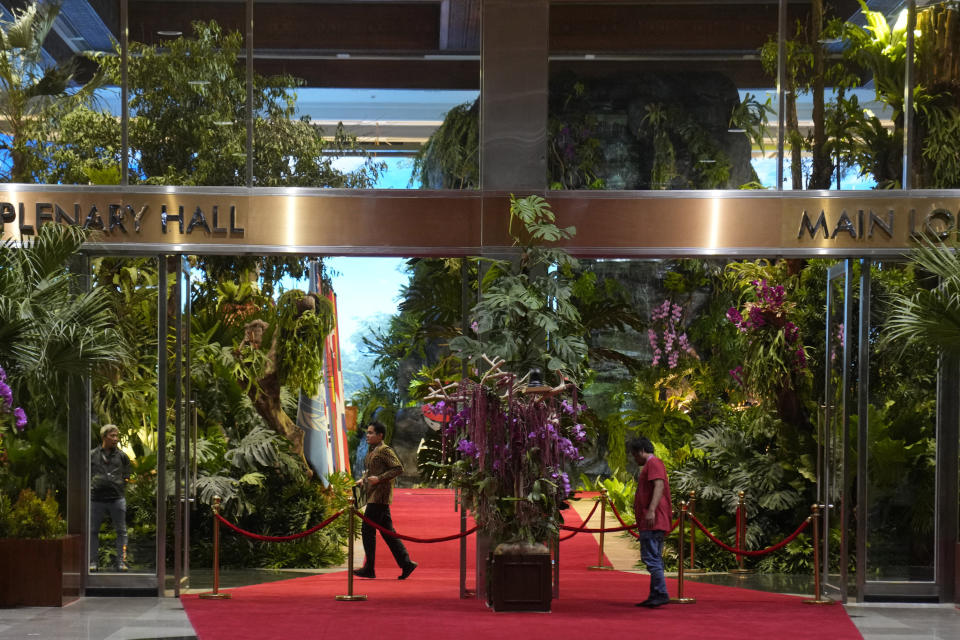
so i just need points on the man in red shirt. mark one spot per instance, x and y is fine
(651, 505)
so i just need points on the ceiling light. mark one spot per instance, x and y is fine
(169, 34)
(736, 130)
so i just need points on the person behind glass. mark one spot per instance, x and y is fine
(382, 466)
(109, 473)
(651, 505)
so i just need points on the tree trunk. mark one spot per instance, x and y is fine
(821, 174)
(265, 396)
(794, 138)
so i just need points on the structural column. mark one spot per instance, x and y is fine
(514, 51)
(513, 94)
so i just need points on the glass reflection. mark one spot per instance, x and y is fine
(368, 104)
(901, 444)
(123, 455)
(933, 155)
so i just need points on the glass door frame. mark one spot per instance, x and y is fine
(833, 500)
(947, 448)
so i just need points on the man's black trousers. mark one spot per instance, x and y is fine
(380, 513)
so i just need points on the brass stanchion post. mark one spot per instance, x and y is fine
(352, 530)
(215, 594)
(603, 520)
(818, 597)
(693, 534)
(681, 534)
(741, 535)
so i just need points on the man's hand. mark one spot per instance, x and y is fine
(650, 516)
(373, 480)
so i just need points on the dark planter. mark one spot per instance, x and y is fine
(39, 573)
(519, 581)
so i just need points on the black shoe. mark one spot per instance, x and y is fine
(407, 570)
(644, 603)
(364, 573)
(653, 603)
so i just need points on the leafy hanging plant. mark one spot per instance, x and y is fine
(305, 320)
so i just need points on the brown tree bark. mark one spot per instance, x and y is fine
(821, 174)
(265, 395)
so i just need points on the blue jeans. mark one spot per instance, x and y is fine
(117, 510)
(651, 552)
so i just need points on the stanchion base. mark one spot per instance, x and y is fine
(215, 596)
(600, 568)
(694, 571)
(351, 598)
(820, 601)
(741, 572)
(684, 600)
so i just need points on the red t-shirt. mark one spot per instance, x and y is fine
(653, 470)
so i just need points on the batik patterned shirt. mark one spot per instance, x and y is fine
(382, 462)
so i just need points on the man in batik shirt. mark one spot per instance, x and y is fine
(382, 466)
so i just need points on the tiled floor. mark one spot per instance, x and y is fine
(99, 619)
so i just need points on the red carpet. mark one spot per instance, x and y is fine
(592, 604)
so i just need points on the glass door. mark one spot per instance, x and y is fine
(184, 471)
(896, 428)
(833, 433)
(123, 438)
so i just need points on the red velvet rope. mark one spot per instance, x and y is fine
(617, 513)
(585, 521)
(394, 534)
(759, 552)
(673, 526)
(257, 536)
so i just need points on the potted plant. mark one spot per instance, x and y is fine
(508, 450)
(39, 564)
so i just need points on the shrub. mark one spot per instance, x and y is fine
(31, 517)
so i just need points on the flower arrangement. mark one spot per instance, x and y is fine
(775, 355)
(667, 339)
(10, 416)
(509, 452)
(8, 413)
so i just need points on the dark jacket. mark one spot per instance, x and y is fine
(109, 471)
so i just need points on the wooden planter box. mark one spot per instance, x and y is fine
(520, 582)
(40, 573)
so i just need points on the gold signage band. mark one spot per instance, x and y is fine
(459, 223)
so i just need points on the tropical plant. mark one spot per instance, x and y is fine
(201, 74)
(450, 157)
(575, 153)
(774, 368)
(526, 314)
(50, 330)
(880, 49)
(930, 316)
(31, 90)
(740, 450)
